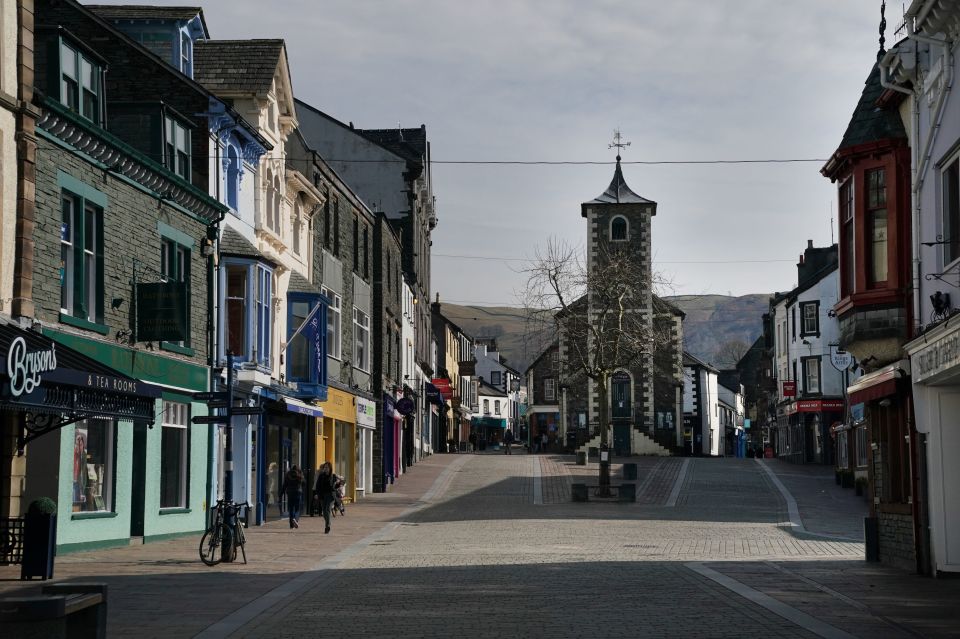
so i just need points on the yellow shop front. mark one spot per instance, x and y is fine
(336, 436)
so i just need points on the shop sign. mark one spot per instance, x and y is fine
(443, 385)
(405, 406)
(819, 405)
(433, 394)
(746, 424)
(936, 357)
(468, 368)
(24, 369)
(366, 413)
(162, 312)
(789, 389)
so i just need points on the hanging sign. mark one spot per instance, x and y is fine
(162, 312)
(841, 360)
(405, 406)
(24, 369)
(789, 389)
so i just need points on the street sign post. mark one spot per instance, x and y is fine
(211, 397)
(246, 410)
(210, 419)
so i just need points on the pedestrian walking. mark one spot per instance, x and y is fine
(544, 441)
(326, 489)
(473, 442)
(508, 442)
(293, 487)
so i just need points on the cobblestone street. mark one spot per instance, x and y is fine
(490, 545)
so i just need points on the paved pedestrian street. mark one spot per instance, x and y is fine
(490, 545)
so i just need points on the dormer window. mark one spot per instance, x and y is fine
(186, 66)
(176, 147)
(80, 82)
(618, 229)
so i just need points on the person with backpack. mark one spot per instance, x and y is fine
(326, 489)
(293, 487)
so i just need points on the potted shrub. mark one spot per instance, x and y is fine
(39, 539)
(861, 486)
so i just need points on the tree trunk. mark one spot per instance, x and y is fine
(603, 489)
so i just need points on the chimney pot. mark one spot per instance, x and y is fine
(809, 244)
(801, 258)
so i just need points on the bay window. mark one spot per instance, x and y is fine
(246, 304)
(334, 333)
(847, 240)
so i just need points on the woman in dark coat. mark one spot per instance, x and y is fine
(326, 489)
(293, 486)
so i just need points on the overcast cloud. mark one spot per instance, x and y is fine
(550, 80)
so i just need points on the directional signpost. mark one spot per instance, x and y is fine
(246, 410)
(210, 419)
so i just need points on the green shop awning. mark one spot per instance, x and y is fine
(489, 422)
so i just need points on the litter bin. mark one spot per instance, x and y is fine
(630, 471)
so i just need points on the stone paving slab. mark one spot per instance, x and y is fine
(152, 586)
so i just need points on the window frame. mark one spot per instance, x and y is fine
(804, 307)
(875, 207)
(178, 159)
(613, 225)
(950, 209)
(806, 362)
(314, 302)
(848, 238)
(81, 54)
(83, 257)
(182, 245)
(549, 389)
(183, 476)
(334, 323)
(495, 379)
(361, 348)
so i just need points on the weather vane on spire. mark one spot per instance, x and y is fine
(618, 142)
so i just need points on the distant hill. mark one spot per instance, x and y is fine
(712, 320)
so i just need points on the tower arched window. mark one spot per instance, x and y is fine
(618, 229)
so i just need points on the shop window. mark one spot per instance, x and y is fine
(80, 82)
(861, 446)
(306, 340)
(81, 256)
(951, 210)
(334, 334)
(175, 267)
(176, 145)
(93, 465)
(811, 375)
(361, 330)
(810, 318)
(247, 294)
(174, 455)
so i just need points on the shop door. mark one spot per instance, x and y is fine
(620, 396)
(621, 439)
(138, 479)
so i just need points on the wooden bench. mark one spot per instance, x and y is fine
(65, 610)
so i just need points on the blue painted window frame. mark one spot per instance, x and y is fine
(257, 315)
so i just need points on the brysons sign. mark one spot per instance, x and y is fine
(24, 369)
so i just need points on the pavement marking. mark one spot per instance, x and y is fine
(675, 493)
(791, 614)
(322, 570)
(792, 509)
(537, 482)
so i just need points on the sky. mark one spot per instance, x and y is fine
(550, 80)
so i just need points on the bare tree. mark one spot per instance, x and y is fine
(602, 312)
(730, 352)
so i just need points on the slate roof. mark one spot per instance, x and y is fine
(300, 284)
(232, 243)
(691, 360)
(871, 123)
(236, 66)
(410, 144)
(146, 12)
(618, 192)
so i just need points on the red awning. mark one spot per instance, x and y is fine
(878, 384)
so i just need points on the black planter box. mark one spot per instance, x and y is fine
(39, 546)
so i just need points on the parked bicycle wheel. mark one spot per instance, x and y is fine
(228, 544)
(210, 548)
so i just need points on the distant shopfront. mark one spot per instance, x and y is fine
(804, 434)
(335, 440)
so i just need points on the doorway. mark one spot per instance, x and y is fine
(138, 479)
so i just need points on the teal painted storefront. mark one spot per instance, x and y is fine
(136, 458)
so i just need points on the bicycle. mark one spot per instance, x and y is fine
(224, 535)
